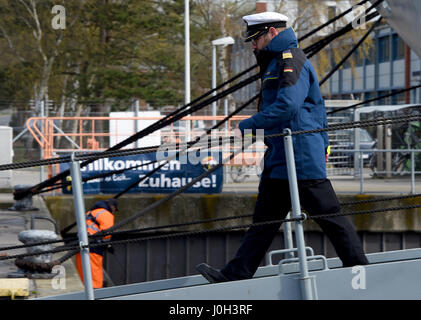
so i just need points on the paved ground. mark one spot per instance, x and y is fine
(13, 222)
(342, 185)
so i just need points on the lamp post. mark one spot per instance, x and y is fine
(218, 42)
(187, 61)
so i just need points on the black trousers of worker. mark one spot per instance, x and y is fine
(273, 203)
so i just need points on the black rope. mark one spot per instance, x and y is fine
(316, 47)
(185, 224)
(177, 192)
(20, 194)
(314, 217)
(173, 117)
(322, 81)
(149, 149)
(75, 248)
(374, 99)
(329, 22)
(150, 173)
(333, 127)
(135, 183)
(176, 115)
(355, 47)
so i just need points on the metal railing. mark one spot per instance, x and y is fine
(377, 163)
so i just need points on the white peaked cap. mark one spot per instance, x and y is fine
(264, 17)
(259, 23)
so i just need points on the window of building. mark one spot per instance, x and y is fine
(370, 55)
(384, 49)
(398, 47)
(368, 96)
(358, 57)
(398, 98)
(383, 100)
(347, 63)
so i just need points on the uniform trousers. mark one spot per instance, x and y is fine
(317, 197)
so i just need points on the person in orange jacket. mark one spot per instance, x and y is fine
(100, 217)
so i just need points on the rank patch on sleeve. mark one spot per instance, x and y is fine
(288, 70)
(287, 55)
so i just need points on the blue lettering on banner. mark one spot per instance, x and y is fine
(170, 177)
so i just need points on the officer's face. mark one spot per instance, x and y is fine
(260, 42)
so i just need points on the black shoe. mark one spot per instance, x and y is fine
(211, 274)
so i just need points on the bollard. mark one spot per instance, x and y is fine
(34, 236)
(24, 204)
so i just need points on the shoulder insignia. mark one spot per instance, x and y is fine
(288, 70)
(287, 55)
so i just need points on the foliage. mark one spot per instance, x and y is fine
(112, 51)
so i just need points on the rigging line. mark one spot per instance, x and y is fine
(355, 124)
(159, 202)
(75, 249)
(333, 127)
(321, 44)
(40, 186)
(250, 215)
(360, 42)
(140, 230)
(190, 144)
(375, 99)
(313, 217)
(133, 138)
(136, 182)
(97, 156)
(126, 152)
(347, 28)
(146, 128)
(168, 197)
(22, 193)
(180, 190)
(331, 21)
(196, 232)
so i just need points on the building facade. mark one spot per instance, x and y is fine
(379, 72)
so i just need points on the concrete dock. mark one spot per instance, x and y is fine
(13, 222)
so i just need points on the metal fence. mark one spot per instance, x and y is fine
(366, 164)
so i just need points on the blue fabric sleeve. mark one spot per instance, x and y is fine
(289, 99)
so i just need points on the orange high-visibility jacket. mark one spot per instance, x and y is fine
(96, 220)
(99, 219)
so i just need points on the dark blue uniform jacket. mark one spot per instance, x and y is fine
(290, 99)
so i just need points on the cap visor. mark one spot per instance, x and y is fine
(253, 35)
